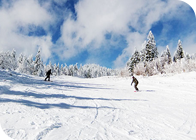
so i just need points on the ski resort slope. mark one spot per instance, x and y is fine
(106, 108)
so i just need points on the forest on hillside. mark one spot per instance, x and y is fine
(149, 62)
(30, 66)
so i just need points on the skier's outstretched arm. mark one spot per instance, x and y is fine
(131, 82)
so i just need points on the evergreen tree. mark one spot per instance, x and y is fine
(133, 61)
(38, 64)
(66, 70)
(150, 49)
(87, 72)
(174, 59)
(1, 61)
(20, 59)
(81, 71)
(13, 60)
(50, 67)
(55, 70)
(188, 57)
(149, 53)
(179, 53)
(142, 52)
(142, 55)
(6, 60)
(71, 70)
(61, 70)
(23, 66)
(30, 65)
(166, 56)
(75, 70)
(58, 69)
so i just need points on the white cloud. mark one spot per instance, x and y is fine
(99, 17)
(16, 18)
(134, 41)
(189, 43)
(94, 19)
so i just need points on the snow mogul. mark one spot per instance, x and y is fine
(135, 81)
(48, 73)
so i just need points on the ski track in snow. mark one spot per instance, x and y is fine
(105, 108)
(47, 130)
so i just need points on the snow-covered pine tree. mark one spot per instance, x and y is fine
(5, 60)
(186, 62)
(179, 53)
(8, 60)
(71, 70)
(20, 58)
(30, 65)
(66, 70)
(142, 52)
(151, 52)
(85, 70)
(13, 60)
(50, 67)
(20, 62)
(81, 71)
(61, 70)
(75, 70)
(95, 72)
(133, 61)
(23, 66)
(187, 56)
(54, 70)
(38, 64)
(1, 60)
(174, 58)
(166, 57)
(88, 73)
(58, 69)
(142, 55)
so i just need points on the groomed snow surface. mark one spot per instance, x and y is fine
(106, 108)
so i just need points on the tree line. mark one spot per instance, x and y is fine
(148, 62)
(145, 62)
(30, 66)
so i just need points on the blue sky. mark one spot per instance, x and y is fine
(104, 32)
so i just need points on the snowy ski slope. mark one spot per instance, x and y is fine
(106, 108)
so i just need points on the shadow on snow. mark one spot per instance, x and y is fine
(61, 96)
(6, 91)
(50, 105)
(16, 78)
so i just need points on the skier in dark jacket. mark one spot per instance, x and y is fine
(135, 81)
(48, 73)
